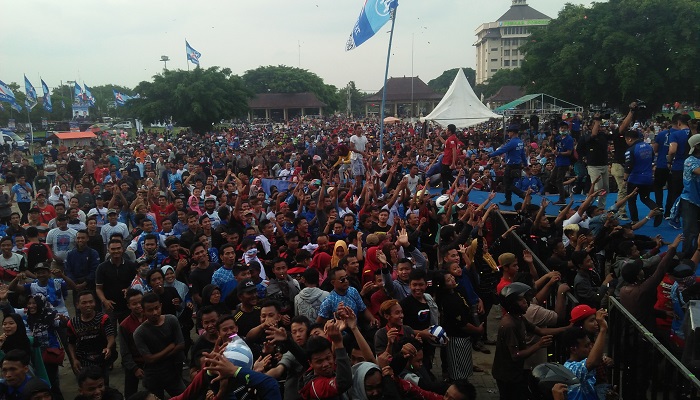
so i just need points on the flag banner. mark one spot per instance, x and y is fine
(31, 100)
(120, 98)
(78, 91)
(74, 126)
(192, 54)
(44, 123)
(15, 106)
(11, 124)
(87, 97)
(373, 16)
(47, 97)
(81, 111)
(6, 94)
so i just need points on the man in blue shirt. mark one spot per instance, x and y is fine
(530, 181)
(639, 165)
(515, 159)
(562, 162)
(661, 172)
(690, 197)
(677, 153)
(584, 358)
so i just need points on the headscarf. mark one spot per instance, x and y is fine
(322, 263)
(19, 339)
(57, 198)
(359, 373)
(41, 324)
(206, 298)
(371, 265)
(488, 258)
(335, 259)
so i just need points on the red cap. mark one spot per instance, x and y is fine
(581, 312)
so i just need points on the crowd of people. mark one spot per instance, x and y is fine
(348, 272)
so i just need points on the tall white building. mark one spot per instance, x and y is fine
(497, 43)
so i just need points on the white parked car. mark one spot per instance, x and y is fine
(123, 125)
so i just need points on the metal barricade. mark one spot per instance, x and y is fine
(643, 368)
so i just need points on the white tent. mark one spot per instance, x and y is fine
(460, 106)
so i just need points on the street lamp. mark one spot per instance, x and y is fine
(165, 60)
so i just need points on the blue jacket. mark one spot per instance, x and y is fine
(514, 151)
(532, 182)
(81, 265)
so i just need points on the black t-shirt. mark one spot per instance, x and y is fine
(415, 314)
(620, 146)
(166, 299)
(245, 321)
(202, 344)
(596, 149)
(114, 279)
(199, 278)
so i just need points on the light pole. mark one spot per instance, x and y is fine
(165, 60)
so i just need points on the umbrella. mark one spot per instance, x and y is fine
(694, 114)
(391, 120)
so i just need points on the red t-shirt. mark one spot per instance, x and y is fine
(501, 284)
(451, 143)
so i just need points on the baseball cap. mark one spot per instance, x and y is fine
(34, 210)
(692, 142)
(34, 386)
(111, 211)
(247, 286)
(581, 312)
(42, 266)
(317, 158)
(98, 197)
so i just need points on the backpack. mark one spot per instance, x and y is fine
(36, 253)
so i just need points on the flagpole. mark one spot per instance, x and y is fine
(386, 77)
(31, 128)
(187, 59)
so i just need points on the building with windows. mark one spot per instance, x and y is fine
(497, 44)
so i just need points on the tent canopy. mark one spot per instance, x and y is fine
(460, 106)
(541, 102)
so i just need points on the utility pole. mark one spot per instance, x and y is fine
(348, 109)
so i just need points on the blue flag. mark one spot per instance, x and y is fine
(78, 91)
(120, 98)
(31, 100)
(192, 54)
(87, 97)
(373, 16)
(16, 106)
(47, 97)
(6, 94)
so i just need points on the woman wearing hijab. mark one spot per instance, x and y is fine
(372, 264)
(14, 336)
(322, 262)
(340, 250)
(42, 322)
(211, 295)
(57, 196)
(369, 381)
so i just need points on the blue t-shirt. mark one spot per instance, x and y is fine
(586, 390)
(679, 136)
(638, 161)
(22, 192)
(565, 143)
(662, 149)
(351, 299)
(691, 181)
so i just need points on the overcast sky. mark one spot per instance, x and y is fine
(121, 41)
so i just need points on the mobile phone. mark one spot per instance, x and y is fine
(604, 192)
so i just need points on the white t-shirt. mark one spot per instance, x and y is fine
(61, 242)
(413, 183)
(360, 143)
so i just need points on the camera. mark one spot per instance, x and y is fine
(641, 104)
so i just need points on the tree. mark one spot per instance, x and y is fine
(194, 98)
(284, 79)
(356, 99)
(443, 82)
(617, 51)
(502, 77)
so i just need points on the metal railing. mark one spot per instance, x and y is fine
(643, 368)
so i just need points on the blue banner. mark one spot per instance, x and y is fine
(31, 100)
(6, 94)
(78, 91)
(47, 97)
(120, 98)
(192, 54)
(87, 97)
(16, 106)
(373, 16)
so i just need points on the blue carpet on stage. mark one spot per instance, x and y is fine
(665, 230)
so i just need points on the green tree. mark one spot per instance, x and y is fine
(443, 82)
(284, 79)
(617, 51)
(502, 77)
(194, 98)
(356, 99)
